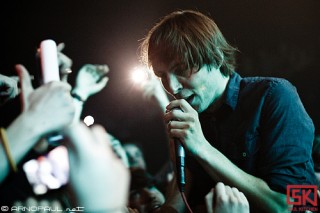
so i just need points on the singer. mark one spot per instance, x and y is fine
(251, 133)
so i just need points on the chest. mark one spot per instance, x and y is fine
(237, 136)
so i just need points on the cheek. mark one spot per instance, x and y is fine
(192, 84)
(166, 86)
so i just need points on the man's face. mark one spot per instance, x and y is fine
(146, 199)
(200, 88)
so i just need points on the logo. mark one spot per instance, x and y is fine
(302, 197)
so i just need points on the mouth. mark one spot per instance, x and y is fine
(190, 99)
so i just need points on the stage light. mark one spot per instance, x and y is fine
(88, 120)
(139, 75)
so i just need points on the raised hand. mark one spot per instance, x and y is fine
(98, 177)
(65, 63)
(90, 80)
(226, 199)
(184, 125)
(152, 88)
(50, 106)
(47, 109)
(8, 88)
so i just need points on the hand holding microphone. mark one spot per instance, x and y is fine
(185, 129)
(180, 161)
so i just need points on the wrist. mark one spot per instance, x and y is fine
(26, 126)
(29, 134)
(79, 95)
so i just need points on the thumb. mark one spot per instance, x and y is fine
(25, 84)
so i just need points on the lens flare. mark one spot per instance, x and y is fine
(139, 75)
(88, 120)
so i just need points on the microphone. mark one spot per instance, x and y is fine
(180, 162)
(180, 156)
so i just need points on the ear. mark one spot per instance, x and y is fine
(25, 85)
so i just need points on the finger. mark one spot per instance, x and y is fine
(236, 193)
(101, 136)
(185, 106)
(64, 73)
(64, 78)
(64, 61)
(102, 68)
(209, 201)
(179, 103)
(230, 193)
(25, 83)
(101, 83)
(103, 139)
(177, 131)
(173, 104)
(243, 199)
(173, 115)
(80, 137)
(24, 78)
(220, 193)
(60, 46)
(173, 124)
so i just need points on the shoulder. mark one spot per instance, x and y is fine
(266, 82)
(269, 87)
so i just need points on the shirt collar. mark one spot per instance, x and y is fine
(232, 90)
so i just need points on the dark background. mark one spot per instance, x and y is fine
(275, 38)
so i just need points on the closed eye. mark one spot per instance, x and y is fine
(181, 72)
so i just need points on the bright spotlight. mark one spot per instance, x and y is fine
(88, 120)
(139, 75)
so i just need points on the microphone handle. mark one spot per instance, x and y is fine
(180, 164)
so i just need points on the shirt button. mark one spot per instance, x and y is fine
(244, 154)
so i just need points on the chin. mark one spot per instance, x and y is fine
(198, 109)
(201, 108)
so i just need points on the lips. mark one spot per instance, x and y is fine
(189, 99)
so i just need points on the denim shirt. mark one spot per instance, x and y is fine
(263, 128)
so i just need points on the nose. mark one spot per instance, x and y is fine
(174, 84)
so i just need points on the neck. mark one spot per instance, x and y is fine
(217, 103)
